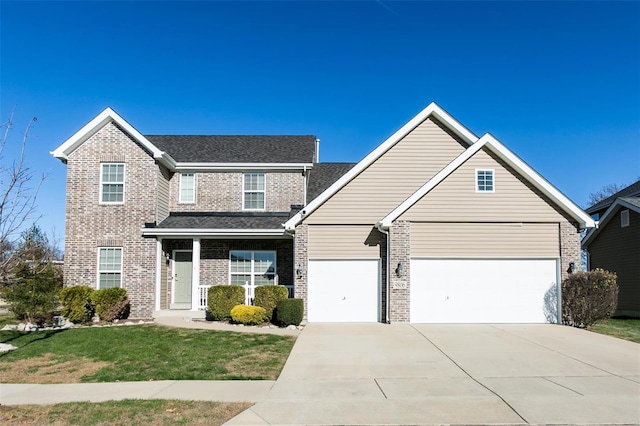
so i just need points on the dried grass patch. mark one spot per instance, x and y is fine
(255, 366)
(48, 369)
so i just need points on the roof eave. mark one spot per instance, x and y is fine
(606, 218)
(193, 166)
(210, 232)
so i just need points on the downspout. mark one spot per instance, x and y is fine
(306, 181)
(388, 274)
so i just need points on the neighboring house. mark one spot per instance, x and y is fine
(615, 245)
(434, 225)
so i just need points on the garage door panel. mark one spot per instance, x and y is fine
(483, 291)
(343, 290)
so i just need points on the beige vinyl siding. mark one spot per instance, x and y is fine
(485, 240)
(617, 249)
(455, 199)
(392, 178)
(162, 201)
(343, 242)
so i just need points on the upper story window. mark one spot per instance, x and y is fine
(624, 218)
(485, 181)
(187, 188)
(253, 193)
(109, 267)
(112, 183)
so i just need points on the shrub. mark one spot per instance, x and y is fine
(76, 303)
(289, 312)
(267, 296)
(249, 315)
(32, 293)
(111, 303)
(222, 298)
(588, 297)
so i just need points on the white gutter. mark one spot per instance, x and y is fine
(207, 232)
(187, 166)
(304, 190)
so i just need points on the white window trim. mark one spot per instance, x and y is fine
(493, 181)
(264, 191)
(98, 271)
(253, 258)
(180, 200)
(124, 180)
(624, 218)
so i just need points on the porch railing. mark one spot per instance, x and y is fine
(203, 295)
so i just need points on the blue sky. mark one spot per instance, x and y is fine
(556, 82)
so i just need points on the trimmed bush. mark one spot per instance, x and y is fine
(222, 298)
(111, 303)
(588, 297)
(289, 312)
(267, 296)
(76, 304)
(248, 315)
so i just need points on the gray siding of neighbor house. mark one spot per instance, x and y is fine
(617, 249)
(222, 192)
(90, 225)
(392, 178)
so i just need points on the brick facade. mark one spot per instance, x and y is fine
(569, 247)
(400, 254)
(301, 263)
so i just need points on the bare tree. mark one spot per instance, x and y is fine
(19, 187)
(604, 192)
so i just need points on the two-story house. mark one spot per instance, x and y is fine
(434, 225)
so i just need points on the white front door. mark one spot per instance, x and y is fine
(344, 291)
(182, 282)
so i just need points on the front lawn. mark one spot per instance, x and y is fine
(623, 328)
(127, 412)
(140, 353)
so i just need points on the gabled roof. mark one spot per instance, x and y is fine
(632, 203)
(632, 190)
(220, 224)
(432, 110)
(474, 143)
(237, 149)
(491, 143)
(324, 175)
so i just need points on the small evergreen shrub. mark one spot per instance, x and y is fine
(289, 312)
(222, 298)
(248, 315)
(111, 303)
(76, 304)
(588, 297)
(267, 296)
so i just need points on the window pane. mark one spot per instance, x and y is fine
(264, 279)
(254, 200)
(240, 279)
(110, 259)
(187, 188)
(110, 279)
(265, 262)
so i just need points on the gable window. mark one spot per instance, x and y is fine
(187, 188)
(484, 181)
(112, 183)
(252, 267)
(624, 218)
(253, 193)
(109, 267)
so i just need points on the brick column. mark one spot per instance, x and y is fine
(301, 262)
(569, 247)
(400, 254)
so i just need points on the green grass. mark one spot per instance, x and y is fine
(141, 352)
(623, 328)
(7, 318)
(135, 412)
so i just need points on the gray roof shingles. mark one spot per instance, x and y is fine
(224, 220)
(237, 149)
(630, 191)
(323, 175)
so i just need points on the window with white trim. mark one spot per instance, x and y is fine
(109, 267)
(484, 180)
(187, 188)
(253, 193)
(112, 183)
(252, 267)
(624, 218)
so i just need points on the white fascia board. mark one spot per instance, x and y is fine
(606, 218)
(386, 222)
(431, 110)
(63, 151)
(206, 232)
(187, 166)
(583, 219)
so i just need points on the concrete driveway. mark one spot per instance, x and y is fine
(453, 374)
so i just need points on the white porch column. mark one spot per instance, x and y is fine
(195, 274)
(159, 261)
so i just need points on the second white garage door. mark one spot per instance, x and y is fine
(483, 291)
(343, 291)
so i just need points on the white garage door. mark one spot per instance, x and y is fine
(343, 290)
(483, 291)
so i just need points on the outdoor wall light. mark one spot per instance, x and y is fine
(399, 270)
(299, 271)
(572, 267)
(167, 256)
